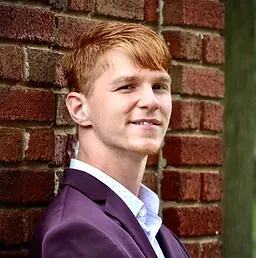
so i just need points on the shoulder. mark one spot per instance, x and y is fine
(69, 203)
(74, 226)
(78, 238)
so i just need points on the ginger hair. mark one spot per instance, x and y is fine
(84, 64)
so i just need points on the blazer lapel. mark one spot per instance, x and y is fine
(114, 206)
(162, 237)
(170, 244)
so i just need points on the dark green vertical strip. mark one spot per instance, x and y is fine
(238, 120)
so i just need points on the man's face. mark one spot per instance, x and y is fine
(129, 107)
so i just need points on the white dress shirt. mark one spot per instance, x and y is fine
(145, 207)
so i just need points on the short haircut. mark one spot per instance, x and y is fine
(83, 65)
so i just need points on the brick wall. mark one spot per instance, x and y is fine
(37, 135)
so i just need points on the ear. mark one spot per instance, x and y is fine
(76, 104)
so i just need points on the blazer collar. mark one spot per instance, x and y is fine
(85, 183)
(114, 207)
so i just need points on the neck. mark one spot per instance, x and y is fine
(126, 168)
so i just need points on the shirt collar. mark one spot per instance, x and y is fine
(149, 198)
(145, 197)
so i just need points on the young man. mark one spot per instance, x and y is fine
(122, 106)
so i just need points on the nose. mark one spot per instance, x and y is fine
(148, 99)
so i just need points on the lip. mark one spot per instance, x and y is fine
(149, 121)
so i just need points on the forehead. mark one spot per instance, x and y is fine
(118, 64)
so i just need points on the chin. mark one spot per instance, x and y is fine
(146, 149)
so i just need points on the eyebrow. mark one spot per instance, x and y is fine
(122, 79)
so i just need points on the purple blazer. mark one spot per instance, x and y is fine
(87, 219)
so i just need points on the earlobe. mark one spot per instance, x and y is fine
(76, 104)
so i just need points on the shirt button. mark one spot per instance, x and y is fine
(142, 213)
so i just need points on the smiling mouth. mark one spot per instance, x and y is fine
(143, 123)
(146, 122)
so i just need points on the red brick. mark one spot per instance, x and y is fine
(184, 45)
(193, 221)
(193, 249)
(133, 9)
(185, 115)
(152, 160)
(27, 104)
(64, 149)
(188, 150)
(26, 186)
(10, 145)
(60, 150)
(30, 218)
(150, 180)
(213, 49)
(44, 67)
(198, 81)
(211, 187)
(68, 29)
(151, 12)
(81, 5)
(63, 117)
(23, 22)
(211, 250)
(13, 254)
(11, 62)
(180, 186)
(10, 227)
(71, 146)
(41, 145)
(207, 14)
(212, 116)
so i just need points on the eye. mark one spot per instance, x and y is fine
(160, 87)
(126, 87)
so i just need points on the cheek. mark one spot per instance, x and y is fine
(167, 106)
(170, 109)
(126, 105)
